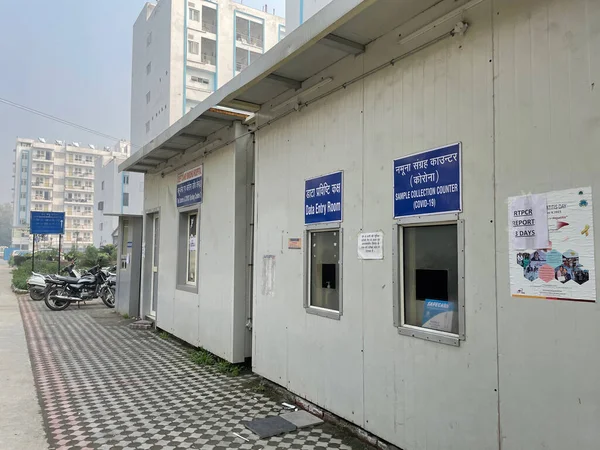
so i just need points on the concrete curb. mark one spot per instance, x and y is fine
(326, 416)
(18, 291)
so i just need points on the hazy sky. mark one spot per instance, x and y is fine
(70, 59)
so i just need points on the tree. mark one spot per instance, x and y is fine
(5, 224)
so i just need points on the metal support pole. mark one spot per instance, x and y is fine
(33, 255)
(59, 250)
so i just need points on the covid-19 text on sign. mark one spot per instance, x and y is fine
(428, 182)
(189, 187)
(323, 199)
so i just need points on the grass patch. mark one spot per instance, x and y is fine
(125, 316)
(164, 335)
(203, 357)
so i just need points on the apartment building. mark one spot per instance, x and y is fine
(57, 177)
(115, 194)
(184, 50)
(299, 11)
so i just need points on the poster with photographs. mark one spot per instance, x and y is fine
(564, 270)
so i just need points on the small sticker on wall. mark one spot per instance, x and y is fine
(295, 243)
(370, 245)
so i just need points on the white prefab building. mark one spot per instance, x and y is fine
(421, 244)
(184, 49)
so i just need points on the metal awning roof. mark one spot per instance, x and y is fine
(342, 28)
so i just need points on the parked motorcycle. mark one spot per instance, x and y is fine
(36, 284)
(63, 291)
(108, 289)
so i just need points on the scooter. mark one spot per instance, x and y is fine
(36, 284)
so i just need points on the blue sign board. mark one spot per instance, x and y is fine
(428, 182)
(47, 222)
(323, 199)
(189, 187)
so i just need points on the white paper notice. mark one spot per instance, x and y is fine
(192, 243)
(370, 245)
(528, 222)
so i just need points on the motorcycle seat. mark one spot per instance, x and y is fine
(67, 279)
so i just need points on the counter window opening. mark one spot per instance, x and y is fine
(323, 271)
(187, 261)
(429, 279)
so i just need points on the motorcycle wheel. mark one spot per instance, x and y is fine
(54, 304)
(108, 297)
(36, 295)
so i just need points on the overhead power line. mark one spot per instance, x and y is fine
(59, 120)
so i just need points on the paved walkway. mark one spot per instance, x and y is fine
(106, 386)
(21, 425)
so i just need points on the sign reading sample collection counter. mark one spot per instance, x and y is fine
(323, 199)
(189, 187)
(428, 182)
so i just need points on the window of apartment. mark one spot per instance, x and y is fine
(23, 208)
(149, 39)
(24, 156)
(429, 277)
(187, 272)
(23, 181)
(23, 194)
(125, 199)
(149, 68)
(101, 226)
(323, 277)
(88, 210)
(125, 178)
(25, 144)
(102, 186)
(100, 206)
(148, 127)
(194, 15)
(78, 158)
(89, 184)
(200, 80)
(89, 159)
(147, 97)
(24, 169)
(193, 47)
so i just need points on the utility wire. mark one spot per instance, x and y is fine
(59, 120)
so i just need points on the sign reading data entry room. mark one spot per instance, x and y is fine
(47, 222)
(428, 182)
(189, 187)
(323, 199)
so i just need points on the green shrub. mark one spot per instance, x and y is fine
(21, 273)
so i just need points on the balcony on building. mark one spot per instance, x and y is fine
(209, 52)
(78, 200)
(42, 155)
(243, 58)
(42, 170)
(77, 174)
(78, 212)
(79, 160)
(78, 188)
(209, 19)
(249, 33)
(42, 184)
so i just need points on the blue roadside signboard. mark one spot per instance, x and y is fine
(189, 187)
(47, 222)
(428, 182)
(323, 199)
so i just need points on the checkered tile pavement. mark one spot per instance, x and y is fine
(103, 385)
